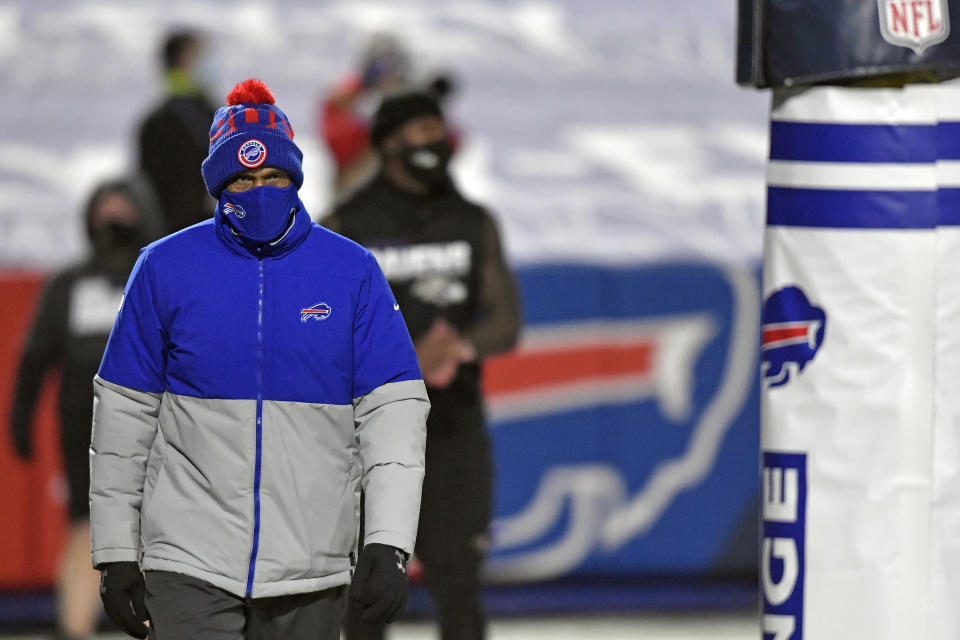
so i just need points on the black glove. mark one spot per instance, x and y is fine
(379, 590)
(122, 589)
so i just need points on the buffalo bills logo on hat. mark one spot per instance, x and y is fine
(235, 209)
(793, 331)
(319, 311)
(252, 154)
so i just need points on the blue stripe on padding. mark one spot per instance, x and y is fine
(816, 142)
(948, 141)
(790, 207)
(949, 207)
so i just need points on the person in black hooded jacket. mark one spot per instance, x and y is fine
(442, 256)
(71, 324)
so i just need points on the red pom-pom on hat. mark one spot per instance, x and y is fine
(251, 91)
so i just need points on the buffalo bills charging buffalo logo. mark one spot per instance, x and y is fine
(252, 154)
(793, 331)
(235, 209)
(319, 311)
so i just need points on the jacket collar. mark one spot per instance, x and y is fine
(296, 233)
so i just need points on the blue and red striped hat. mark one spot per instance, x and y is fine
(247, 133)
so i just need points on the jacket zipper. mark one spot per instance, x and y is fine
(259, 452)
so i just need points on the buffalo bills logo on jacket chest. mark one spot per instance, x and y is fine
(793, 331)
(319, 311)
(252, 154)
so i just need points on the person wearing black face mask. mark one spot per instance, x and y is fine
(70, 328)
(442, 257)
(123, 219)
(413, 143)
(426, 164)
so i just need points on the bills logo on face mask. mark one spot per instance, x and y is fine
(252, 154)
(234, 209)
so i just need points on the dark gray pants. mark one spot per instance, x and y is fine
(185, 608)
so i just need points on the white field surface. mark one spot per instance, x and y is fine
(690, 626)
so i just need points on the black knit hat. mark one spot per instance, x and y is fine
(397, 109)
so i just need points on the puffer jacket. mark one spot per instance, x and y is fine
(246, 395)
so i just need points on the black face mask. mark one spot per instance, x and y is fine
(113, 236)
(428, 163)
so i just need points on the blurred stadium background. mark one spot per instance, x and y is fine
(627, 173)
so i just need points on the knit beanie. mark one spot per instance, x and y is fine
(250, 132)
(397, 109)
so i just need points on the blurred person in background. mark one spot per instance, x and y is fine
(257, 375)
(345, 113)
(69, 332)
(172, 139)
(443, 259)
(384, 67)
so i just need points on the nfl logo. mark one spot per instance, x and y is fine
(915, 24)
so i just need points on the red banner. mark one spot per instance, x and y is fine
(34, 493)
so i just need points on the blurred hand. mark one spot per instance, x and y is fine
(441, 352)
(432, 349)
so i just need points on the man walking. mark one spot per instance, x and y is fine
(258, 375)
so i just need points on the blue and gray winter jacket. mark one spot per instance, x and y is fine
(245, 396)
